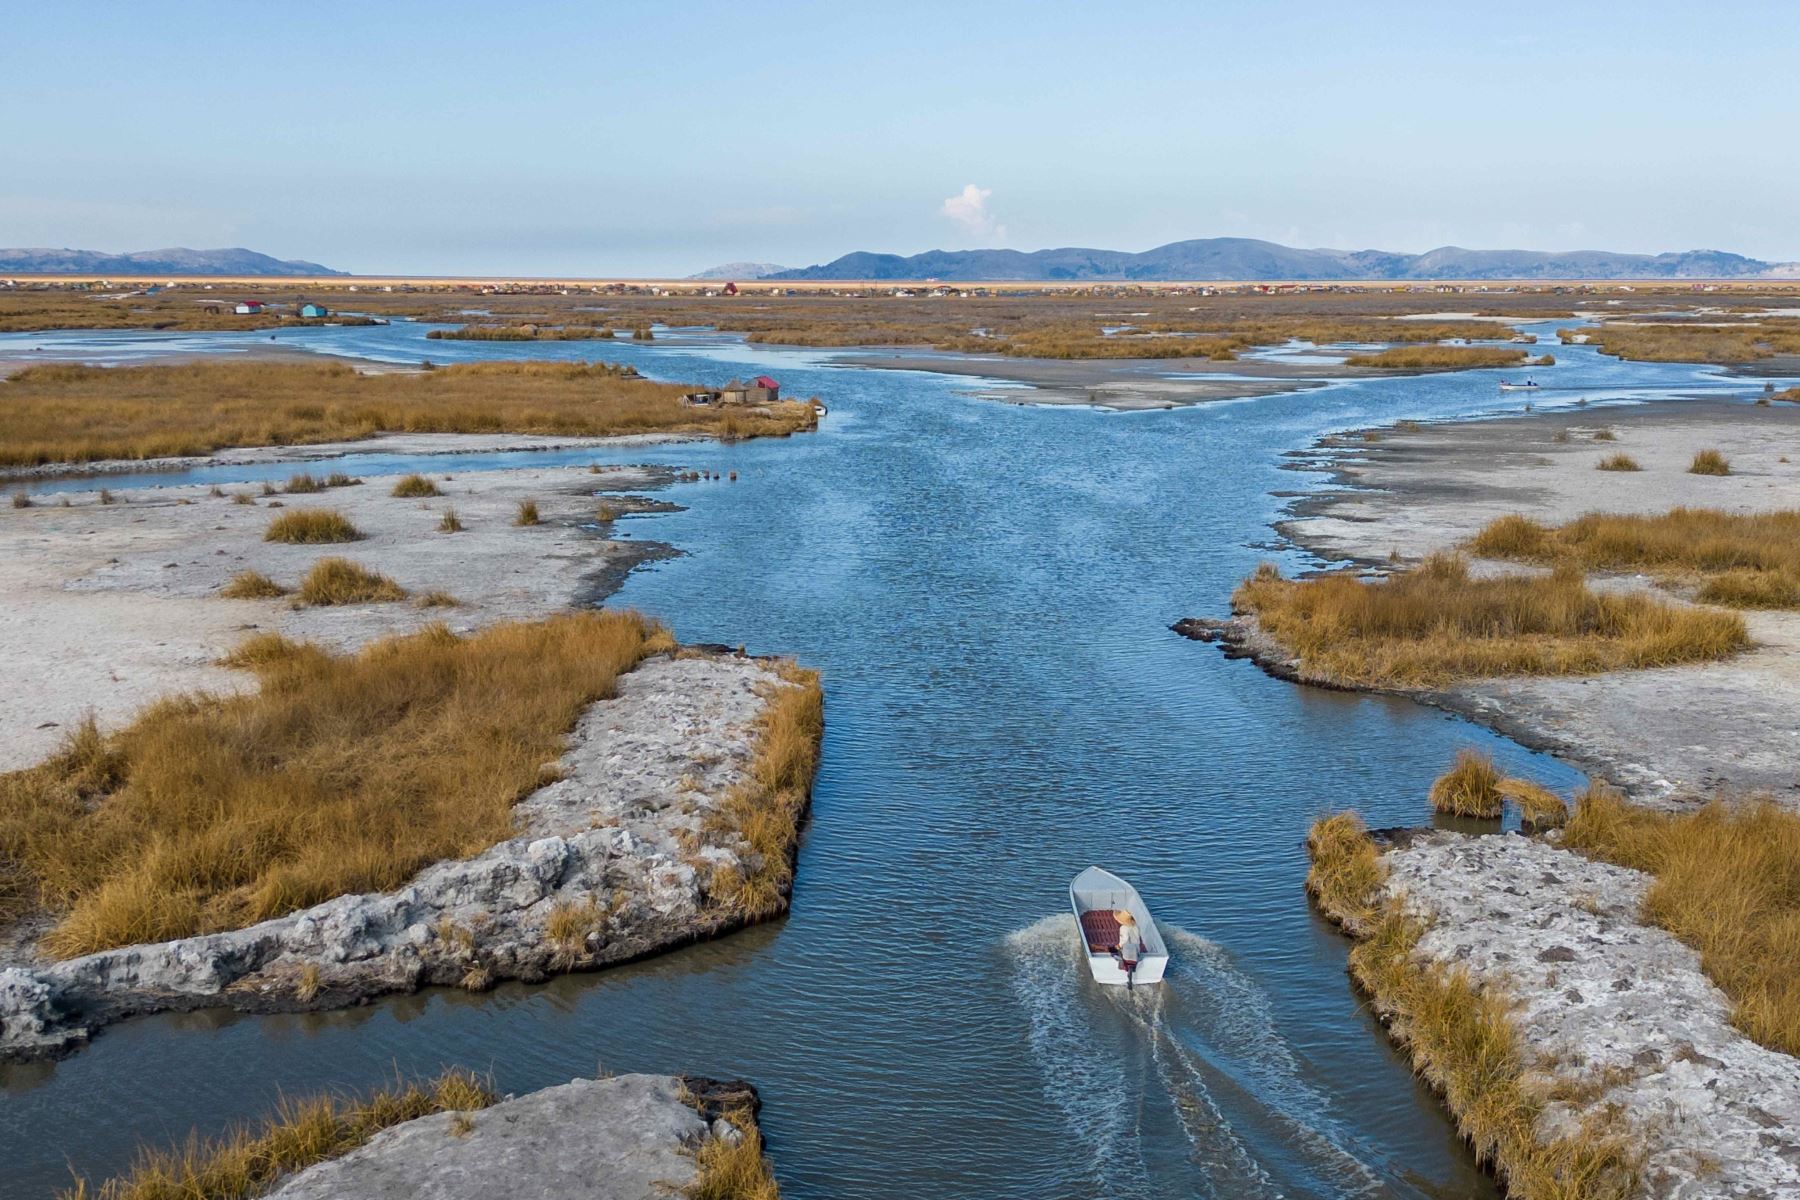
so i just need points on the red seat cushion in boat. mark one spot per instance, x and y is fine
(1101, 929)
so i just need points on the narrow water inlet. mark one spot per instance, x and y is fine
(987, 590)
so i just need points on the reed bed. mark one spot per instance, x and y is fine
(1439, 358)
(1745, 560)
(343, 773)
(1675, 342)
(247, 1162)
(1436, 623)
(520, 333)
(76, 414)
(1727, 883)
(765, 812)
(1461, 1038)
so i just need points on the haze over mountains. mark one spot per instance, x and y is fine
(1247, 258)
(176, 260)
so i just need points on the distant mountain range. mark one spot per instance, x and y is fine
(177, 260)
(1247, 258)
(742, 270)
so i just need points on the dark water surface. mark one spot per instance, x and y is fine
(987, 590)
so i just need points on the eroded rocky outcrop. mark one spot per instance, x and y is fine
(1616, 1016)
(631, 1137)
(611, 863)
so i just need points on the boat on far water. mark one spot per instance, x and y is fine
(1530, 385)
(1098, 897)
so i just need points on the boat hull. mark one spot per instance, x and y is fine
(1095, 891)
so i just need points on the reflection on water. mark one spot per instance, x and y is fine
(987, 589)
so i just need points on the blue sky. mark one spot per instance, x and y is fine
(596, 139)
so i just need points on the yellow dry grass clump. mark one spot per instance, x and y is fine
(340, 581)
(414, 486)
(734, 1170)
(1709, 462)
(247, 1162)
(765, 813)
(1618, 462)
(251, 585)
(1470, 788)
(1436, 623)
(312, 526)
(81, 414)
(1727, 884)
(1460, 1037)
(343, 773)
(1750, 560)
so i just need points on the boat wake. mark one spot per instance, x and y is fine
(1196, 1063)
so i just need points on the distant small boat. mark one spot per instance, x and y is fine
(1530, 385)
(1096, 896)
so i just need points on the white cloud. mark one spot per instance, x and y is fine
(969, 208)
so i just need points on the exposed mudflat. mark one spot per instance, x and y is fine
(1671, 735)
(111, 606)
(1127, 384)
(1617, 1013)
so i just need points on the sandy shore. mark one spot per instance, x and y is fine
(1669, 736)
(110, 606)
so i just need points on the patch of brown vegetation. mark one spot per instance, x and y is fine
(343, 773)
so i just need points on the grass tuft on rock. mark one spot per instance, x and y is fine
(248, 1162)
(312, 526)
(449, 522)
(734, 1169)
(528, 513)
(416, 486)
(1436, 623)
(1620, 461)
(1727, 884)
(342, 773)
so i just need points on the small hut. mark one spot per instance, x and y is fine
(310, 309)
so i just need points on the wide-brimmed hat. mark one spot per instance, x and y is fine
(1125, 918)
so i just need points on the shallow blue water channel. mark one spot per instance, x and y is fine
(987, 589)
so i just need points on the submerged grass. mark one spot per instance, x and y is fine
(1461, 1038)
(248, 1162)
(82, 414)
(1436, 623)
(343, 773)
(1747, 560)
(1727, 884)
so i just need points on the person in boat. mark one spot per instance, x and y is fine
(1131, 942)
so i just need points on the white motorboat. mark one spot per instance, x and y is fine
(1097, 897)
(1530, 385)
